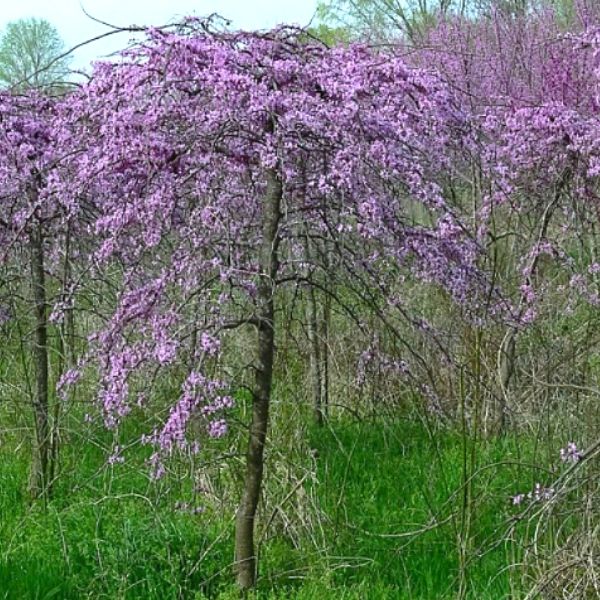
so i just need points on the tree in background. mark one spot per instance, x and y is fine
(35, 232)
(383, 20)
(410, 20)
(31, 55)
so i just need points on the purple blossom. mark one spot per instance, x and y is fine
(518, 499)
(5, 314)
(116, 457)
(217, 429)
(209, 344)
(570, 453)
(539, 493)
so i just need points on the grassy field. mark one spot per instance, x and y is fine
(391, 519)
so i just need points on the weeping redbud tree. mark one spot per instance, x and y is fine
(211, 158)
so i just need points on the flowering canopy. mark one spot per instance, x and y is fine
(180, 137)
(164, 158)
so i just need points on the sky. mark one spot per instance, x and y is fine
(75, 27)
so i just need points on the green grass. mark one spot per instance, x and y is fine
(110, 533)
(381, 483)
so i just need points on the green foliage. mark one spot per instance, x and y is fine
(109, 533)
(330, 35)
(30, 55)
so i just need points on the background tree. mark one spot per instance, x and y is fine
(410, 20)
(30, 55)
(386, 19)
(35, 229)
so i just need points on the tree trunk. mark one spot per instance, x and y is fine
(38, 483)
(317, 328)
(506, 368)
(65, 360)
(316, 375)
(507, 356)
(245, 551)
(324, 343)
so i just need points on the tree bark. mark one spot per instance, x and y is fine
(245, 551)
(65, 360)
(507, 356)
(38, 483)
(324, 342)
(316, 375)
(318, 315)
